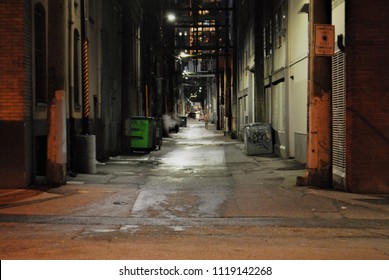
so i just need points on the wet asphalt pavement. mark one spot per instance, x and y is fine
(199, 197)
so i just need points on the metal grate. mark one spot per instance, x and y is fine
(339, 110)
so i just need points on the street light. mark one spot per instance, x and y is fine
(184, 55)
(171, 17)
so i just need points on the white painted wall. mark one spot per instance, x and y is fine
(298, 29)
(298, 48)
(338, 18)
(246, 94)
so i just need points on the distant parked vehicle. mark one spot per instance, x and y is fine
(192, 115)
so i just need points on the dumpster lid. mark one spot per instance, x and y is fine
(141, 118)
(256, 124)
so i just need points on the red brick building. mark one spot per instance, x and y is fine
(367, 96)
(15, 94)
(41, 52)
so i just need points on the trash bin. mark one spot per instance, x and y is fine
(258, 139)
(183, 121)
(142, 134)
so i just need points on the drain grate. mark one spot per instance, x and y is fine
(120, 203)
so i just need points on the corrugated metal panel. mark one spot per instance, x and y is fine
(339, 114)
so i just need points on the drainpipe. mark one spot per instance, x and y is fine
(86, 143)
(260, 115)
(85, 69)
(227, 88)
(218, 93)
(319, 157)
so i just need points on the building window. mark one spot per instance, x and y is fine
(280, 25)
(40, 55)
(267, 39)
(76, 69)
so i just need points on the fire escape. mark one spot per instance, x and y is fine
(202, 44)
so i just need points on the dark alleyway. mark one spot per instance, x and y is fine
(199, 197)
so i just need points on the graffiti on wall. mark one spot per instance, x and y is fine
(261, 139)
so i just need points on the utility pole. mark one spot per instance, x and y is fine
(56, 140)
(319, 146)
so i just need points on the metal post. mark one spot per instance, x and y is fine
(227, 87)
(86, 143)
(218, 94)
(147, 101)
(85, 71)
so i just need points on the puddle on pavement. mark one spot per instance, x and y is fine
(187, 170)
(129, 228)
(179, 228)
(124, 173)
(75, 183)
(103, 230)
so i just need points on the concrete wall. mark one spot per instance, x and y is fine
(246, 86)
(297, 79)
(276, 77)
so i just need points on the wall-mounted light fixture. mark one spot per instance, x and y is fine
(340, 43)
(304, 9)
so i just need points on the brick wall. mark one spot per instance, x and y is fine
(15, 93)
(15, 60)
(367, 71)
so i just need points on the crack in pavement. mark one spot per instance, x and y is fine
(200, 222)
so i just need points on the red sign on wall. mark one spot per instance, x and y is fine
(324, 39)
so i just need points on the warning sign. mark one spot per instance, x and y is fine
(324, 39)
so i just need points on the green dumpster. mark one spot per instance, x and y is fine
(142, 133)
